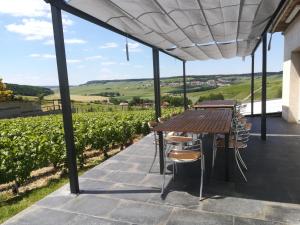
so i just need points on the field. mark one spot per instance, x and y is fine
(78, 98)
(239, 89)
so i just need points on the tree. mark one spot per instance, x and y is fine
(5, 94)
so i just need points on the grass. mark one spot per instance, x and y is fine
(11, 205)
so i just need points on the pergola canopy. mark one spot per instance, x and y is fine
(188, 29)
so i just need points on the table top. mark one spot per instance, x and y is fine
(216, 104)
(199, 121)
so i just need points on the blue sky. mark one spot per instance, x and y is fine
(27, 53)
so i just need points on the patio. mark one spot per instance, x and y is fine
(121, 191)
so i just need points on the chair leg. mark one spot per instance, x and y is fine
(237, 162)
(214, 151)
(173, 171)
(155, 154)
(164, 171)
(202, 174)
(241, 160)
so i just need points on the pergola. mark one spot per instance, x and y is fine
(184, 29)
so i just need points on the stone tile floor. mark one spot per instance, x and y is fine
(121, 191)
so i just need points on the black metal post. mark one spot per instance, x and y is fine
(252, 84)
(263, 87)
(65, 97)
(185, 102)
(156, 74)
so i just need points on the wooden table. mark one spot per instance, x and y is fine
(202, 121)
(216, 104)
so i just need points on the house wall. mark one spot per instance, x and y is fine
(291, 73)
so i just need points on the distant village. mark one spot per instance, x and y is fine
(214, 83)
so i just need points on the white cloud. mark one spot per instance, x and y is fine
(38, 29)
(108, 63)
(43, 56)
(32, 29)
(94, 57)
(133, 47)
(109, 45)
(25, 8)
(70, 41)
(72, 61)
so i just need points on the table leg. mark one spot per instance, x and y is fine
(161, 152)
(226, 157)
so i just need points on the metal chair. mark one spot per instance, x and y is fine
(177, 152)
(151, 125)
(237, 142)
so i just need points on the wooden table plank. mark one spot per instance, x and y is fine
(216, 104)
(202, 121)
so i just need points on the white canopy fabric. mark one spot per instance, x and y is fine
(188, 29)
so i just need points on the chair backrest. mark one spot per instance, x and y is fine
(152, 124)
(162, 119)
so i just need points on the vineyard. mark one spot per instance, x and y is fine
(28, 144)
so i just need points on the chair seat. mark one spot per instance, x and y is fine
(178, 139)
(232, 144)
(248, 126)
(184, 155)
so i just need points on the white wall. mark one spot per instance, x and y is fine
(291, 73)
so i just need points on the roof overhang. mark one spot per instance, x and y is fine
(289, 11)
(186, 29)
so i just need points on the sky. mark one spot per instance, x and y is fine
(27, 54)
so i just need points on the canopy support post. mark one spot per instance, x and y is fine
(264, 89)
(252, 84)
(65, 97)
(156, 75)
(185, 102)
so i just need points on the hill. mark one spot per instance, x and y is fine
(231, 86)
(27, 90)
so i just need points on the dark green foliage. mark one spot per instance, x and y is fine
(139, 101)
(211, 96)
(29, 90)
(28, 144)
(174, 100)
(107, 94)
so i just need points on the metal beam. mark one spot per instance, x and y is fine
(270, 23)
(65, 97)
(252, 84)
(264, 88)
(185, 101)
(61, 4)
(156, 75)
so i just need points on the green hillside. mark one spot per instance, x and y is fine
(238, 87)
(27, 90)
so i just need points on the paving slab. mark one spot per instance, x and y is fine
(141, 213)
(190, 217)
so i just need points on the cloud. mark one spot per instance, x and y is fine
(133, 47)
(109, 45)
(25, 8)
(70, 41)
(108, 63)
(94, 57)
(38, 29)
(43, 56)
(73, 61)
(32, 29)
